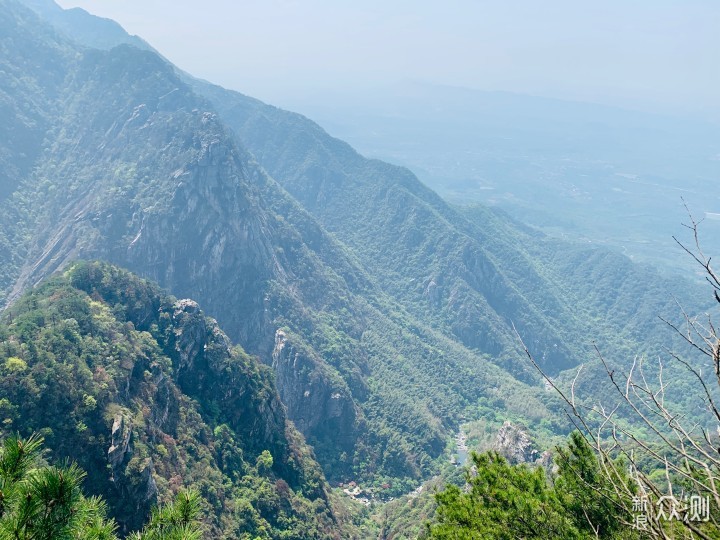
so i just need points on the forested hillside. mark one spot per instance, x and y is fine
(472, 271)
(203, 220)
(386, 314)
(602, 173)
(148, 396)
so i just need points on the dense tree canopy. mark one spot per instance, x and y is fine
(504, 501)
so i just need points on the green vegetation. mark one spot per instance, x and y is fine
(455, 284)
(594, 174)
(587, 494)
(204, 221)
(147, 395)
(43, 502)
(649, 472)
(516, 501)
(387, 316)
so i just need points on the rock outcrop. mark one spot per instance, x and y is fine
(514, 444)
(190, 409)
(318, 400)
(119, 450)
(132, 478)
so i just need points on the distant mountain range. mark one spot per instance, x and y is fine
(387, 315)
(575, 170)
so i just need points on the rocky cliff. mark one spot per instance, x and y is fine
(149, 395)
(514, 444)
(152, 180)
(317, 398)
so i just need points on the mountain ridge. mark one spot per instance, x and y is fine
(148, 395)
(347, 275)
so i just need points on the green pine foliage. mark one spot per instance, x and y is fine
(503, 501)
(585, 492)
(46, 502)
(178, 520)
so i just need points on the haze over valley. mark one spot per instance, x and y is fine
(598, 173)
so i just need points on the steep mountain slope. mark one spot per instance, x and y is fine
(383, 333)
(494, 269)
(577, 170)
(138, 170)
(148, 395)
(83, 27)
(405, 235)
(474, 273)
(29, 61)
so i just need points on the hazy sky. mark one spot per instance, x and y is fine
(651, 53)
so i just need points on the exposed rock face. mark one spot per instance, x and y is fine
(190, 332)
(133, 480)
(190, 409)
(157, 183)
(546, 462)
(120, 447)
(318, 401)
(204, 358)
(210, 230)
(147, 491)
(514, 444)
